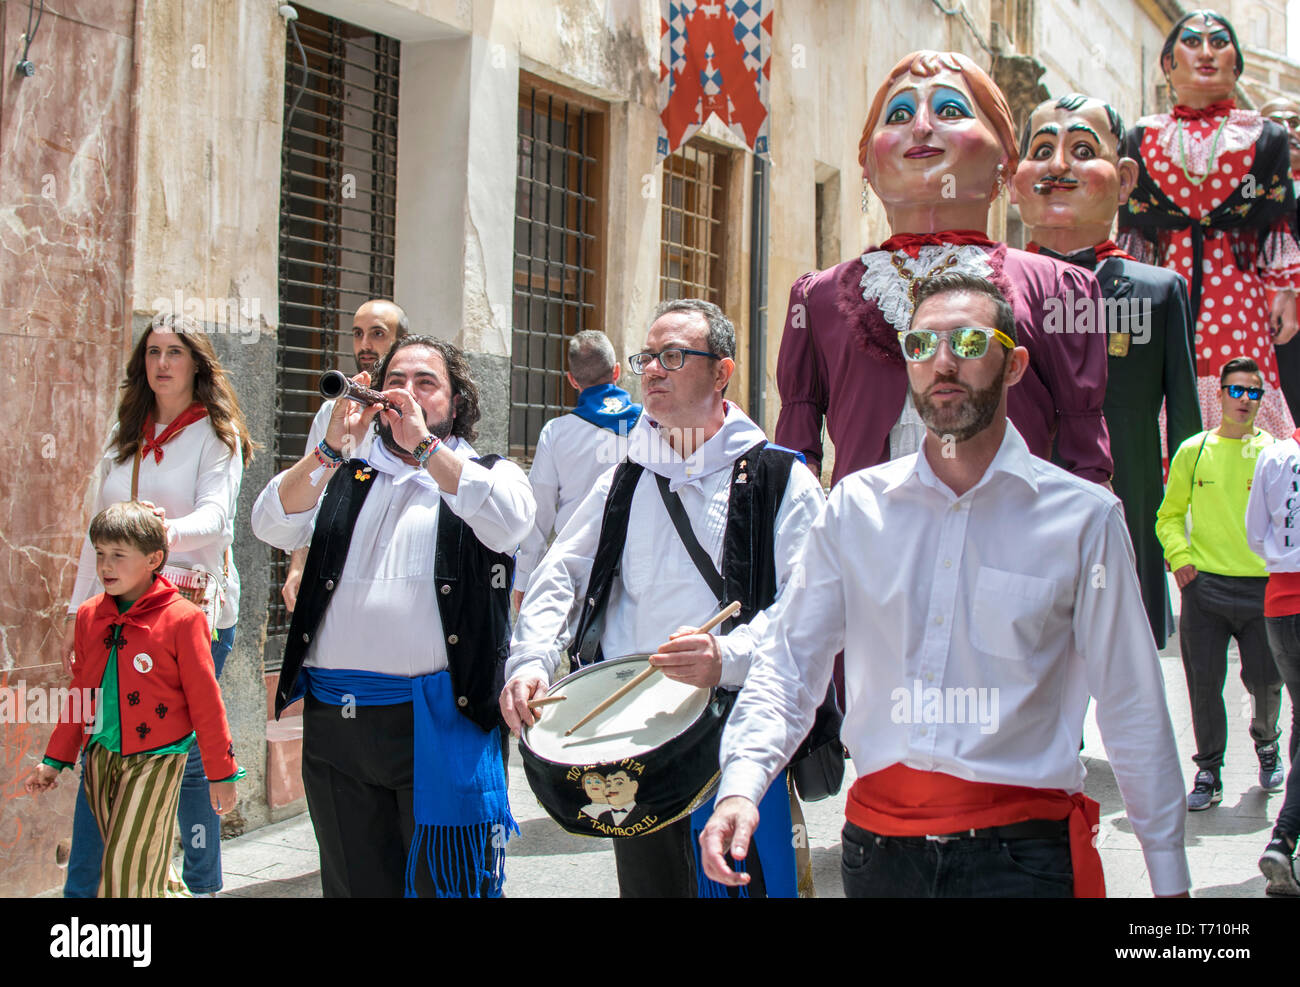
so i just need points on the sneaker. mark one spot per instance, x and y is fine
(1207, 791)
(1271, 777)
(1277, 867)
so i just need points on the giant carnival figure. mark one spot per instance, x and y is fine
(938, 147)
(1214, 203)
(1287, 113)
(1069, 185)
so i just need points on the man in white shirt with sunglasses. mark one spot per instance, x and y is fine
(981, 595)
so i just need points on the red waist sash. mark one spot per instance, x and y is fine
(902, 801)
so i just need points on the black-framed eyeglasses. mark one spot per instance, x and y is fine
(1237, 390)
(672, 358)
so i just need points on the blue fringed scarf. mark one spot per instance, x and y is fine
(773, 842)
(609, 407)
(462, 813)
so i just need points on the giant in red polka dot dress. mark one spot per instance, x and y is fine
(1220, 176)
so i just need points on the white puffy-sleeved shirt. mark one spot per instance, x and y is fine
(974, 629)
(571, 455)
(1273, 511)
(383, 614)
(197, 484)
(658, 588)
(319, 426)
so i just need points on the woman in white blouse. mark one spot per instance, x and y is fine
(178, 414)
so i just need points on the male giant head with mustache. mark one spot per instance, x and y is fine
(1071, 178)
(1070, 182)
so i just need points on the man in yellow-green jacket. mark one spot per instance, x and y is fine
(1202, 526)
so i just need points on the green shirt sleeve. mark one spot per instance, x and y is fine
(59, 765)
(1171, 518)
(237, 776)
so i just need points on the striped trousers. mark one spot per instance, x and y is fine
(133, 800)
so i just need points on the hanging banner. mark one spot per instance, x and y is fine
(715, 59)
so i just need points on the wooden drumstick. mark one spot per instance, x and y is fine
(714, 621)
(545, 701)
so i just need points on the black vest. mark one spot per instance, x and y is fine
(758, 481)
(473, 595)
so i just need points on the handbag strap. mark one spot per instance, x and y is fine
(135, 475)
(694, 549)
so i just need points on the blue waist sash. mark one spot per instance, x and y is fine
(462, 812)
(773, 844)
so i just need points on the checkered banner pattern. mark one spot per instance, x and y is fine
(715, 58)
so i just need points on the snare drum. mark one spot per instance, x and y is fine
(642, 764)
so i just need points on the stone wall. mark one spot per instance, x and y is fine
(65, 231)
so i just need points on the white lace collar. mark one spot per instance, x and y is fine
(1240, 132)
(883, 284)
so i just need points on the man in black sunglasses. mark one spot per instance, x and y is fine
(1222, 581)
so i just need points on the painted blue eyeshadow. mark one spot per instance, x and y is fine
(950, 97)
(903, 101)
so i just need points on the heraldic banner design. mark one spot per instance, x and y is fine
(715, 58)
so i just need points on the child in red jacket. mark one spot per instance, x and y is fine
(147, 650)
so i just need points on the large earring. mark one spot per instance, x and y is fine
(864, 195)
(1001, 182)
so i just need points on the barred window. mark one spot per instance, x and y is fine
(691, 235)
(338, 209)
(556, 269)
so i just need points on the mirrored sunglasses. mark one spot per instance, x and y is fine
(1237, 390)
(966, 342)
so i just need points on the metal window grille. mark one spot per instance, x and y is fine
(691, 237)
(338, 206)
(555, 256)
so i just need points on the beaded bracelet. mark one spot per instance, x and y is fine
(325, 462)
(332, 455)
(425, 449)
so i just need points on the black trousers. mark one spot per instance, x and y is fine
(1215, 609)
(358, 773)
(875, 866)
(662, 865)
(1284, 635)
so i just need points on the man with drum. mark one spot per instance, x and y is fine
(968, 576)
(620, 575)
(399, 633)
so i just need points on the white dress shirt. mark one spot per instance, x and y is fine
(1024, 587)
(197, 484)
(319, 426)
(383, 614)
(1273, 511)
(658, 588)
(571, 455)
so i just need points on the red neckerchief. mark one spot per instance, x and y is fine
(149, 444)
(911, 243)
(1222, 108)
(903, 801)
(1107, 248)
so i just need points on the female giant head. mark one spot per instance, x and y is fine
(1201, 58)
(939, 130)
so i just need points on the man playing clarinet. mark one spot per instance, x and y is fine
(399, 631)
